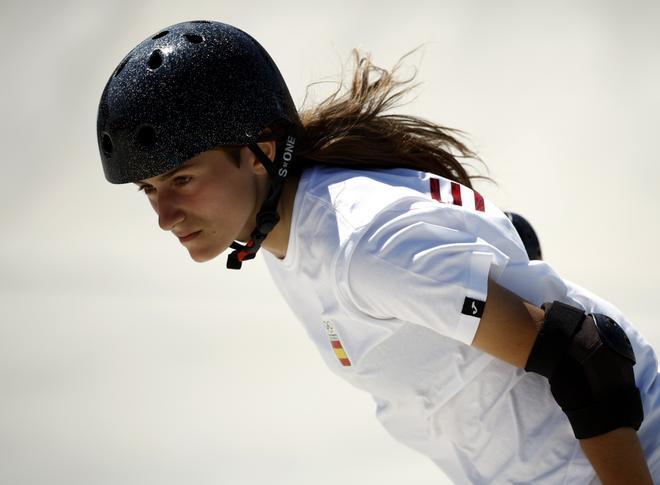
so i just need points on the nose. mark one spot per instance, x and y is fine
(169, 213)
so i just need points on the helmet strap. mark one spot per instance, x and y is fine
(267, 217)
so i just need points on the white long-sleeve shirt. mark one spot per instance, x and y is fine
(388, 270)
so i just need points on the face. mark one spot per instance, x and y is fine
(209, 201)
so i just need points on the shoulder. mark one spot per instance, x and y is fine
(335, 206)
(357, 196)
(382, 202)
(399, 212)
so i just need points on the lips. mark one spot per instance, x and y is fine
(189, 237)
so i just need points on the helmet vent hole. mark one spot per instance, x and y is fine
(106, 144)
(155, 60)
(194, 38)
(160, 34)
(121, 66)
(146, 136)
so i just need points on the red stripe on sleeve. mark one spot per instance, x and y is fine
(345, 362)
(435, 189)
(456, 193)
(336, 344)
(479, 202)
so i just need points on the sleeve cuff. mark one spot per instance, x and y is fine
(476, 291)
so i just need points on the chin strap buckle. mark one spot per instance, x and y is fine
(241, 253)
(266, 221)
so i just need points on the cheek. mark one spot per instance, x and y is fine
(153, 205)
(221, 202)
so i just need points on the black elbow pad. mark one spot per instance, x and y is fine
(588, 360)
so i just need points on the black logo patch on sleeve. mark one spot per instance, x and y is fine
(473, 308)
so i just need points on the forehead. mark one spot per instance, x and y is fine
(163, 177)
(218, 157)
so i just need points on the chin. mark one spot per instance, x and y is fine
(200, 256)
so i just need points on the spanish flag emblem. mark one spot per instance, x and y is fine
(340, 353)
(337, 347)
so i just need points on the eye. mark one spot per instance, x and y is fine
(182, 180)
(147, 189)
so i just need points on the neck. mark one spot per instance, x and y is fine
(277, 240)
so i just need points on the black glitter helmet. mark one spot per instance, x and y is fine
(189, 88)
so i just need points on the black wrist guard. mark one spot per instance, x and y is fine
(589, 362)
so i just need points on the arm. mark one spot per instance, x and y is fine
(508, 330)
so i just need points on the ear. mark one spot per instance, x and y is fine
(249, 158)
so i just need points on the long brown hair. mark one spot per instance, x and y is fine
(356, 128)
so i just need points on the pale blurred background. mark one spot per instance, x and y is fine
(123, 362)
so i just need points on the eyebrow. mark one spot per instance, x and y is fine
(168, 175)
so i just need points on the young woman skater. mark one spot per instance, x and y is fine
(413, 286)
